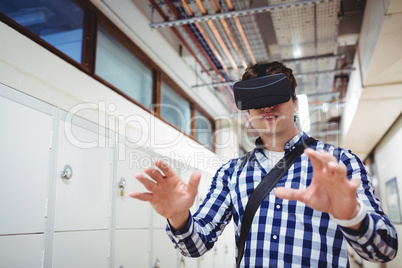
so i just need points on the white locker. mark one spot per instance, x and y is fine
(132, 248)
(131, 213)
(81, 249)
(25, 138)
(18, 251)
(83, 201)
(132, 242)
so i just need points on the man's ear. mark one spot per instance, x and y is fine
(296, 105)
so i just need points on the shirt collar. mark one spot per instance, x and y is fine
(260, 157)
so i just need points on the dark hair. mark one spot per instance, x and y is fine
(273, 68)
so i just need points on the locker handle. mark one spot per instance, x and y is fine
(157, 263)
(122, 184)
(67, 172)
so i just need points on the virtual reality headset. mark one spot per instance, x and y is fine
(262, 91)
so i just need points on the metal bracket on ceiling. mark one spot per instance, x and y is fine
(230, 83)
(249, 11)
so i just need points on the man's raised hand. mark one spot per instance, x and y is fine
(168, 194)
(330, 190)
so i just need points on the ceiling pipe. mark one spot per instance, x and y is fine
(176, 32)
(246, 118)
(218, 37)
(196, 41)
(171, 6)
(243, 37)
(211, 46)
(224, 47)
(233, 42)
(229, 33)
(187, 8)
(192, 36)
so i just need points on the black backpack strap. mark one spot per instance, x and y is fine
(264, 188)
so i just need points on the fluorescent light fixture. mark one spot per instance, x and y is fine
(297, 52)
(304, 114)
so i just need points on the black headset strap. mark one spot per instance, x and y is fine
(263, 189)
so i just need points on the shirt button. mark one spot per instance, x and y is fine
(274, 237)
(278, 206)
(293, 147)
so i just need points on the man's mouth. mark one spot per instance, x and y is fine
(269, 117)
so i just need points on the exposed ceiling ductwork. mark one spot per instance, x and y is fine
(225, 36)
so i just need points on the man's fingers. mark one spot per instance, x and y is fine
(154, 174)
(338, 169)
(290, 194)
(142, 196)
(165, 168)
(314, 158)
(194, 182)
(325, 160)
(149, 185)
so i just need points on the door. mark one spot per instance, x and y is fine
(82, 199)
(25, 138)
(132, 243)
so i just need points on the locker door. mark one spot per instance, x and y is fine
(21, 250)
(132, 248)
(132, 217)
(24, 162)
(131, 213)
(82, 202)
(81, 249)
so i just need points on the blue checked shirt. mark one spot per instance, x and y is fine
(286, 233)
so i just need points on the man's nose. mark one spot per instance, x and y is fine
(268, 107)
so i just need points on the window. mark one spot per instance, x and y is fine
(203, 130)
(119, 67)
(175, 109)
(60, 23)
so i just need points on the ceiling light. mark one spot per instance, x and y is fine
(297, 52)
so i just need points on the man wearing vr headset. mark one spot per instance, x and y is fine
(324, 200)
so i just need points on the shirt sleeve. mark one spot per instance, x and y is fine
(209, 221)
(376, 240)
